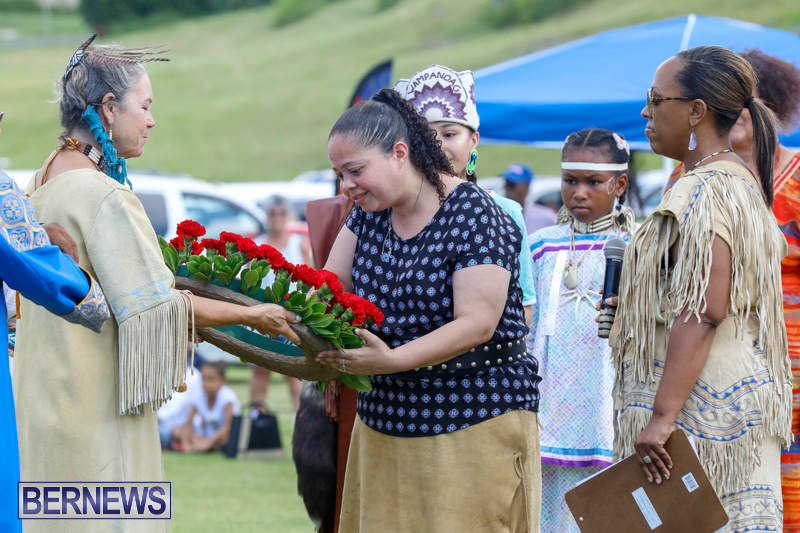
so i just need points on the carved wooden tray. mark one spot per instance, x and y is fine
(277, 358)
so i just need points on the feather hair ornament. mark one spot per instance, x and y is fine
(112, 55)
(77, 57)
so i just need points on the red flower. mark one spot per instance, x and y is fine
(227, 237)
(307, 275)
(374, 313)
(191, 229)
(216, 245)
(355, 304)
(177, 243)
(248, 248)
(332, 281)
(275, 258)
(197, 248)
(361, 308)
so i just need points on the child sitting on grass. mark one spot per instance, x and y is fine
(216, 405)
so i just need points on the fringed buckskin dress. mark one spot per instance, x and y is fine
(739, 411)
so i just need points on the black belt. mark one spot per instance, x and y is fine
(483, 356)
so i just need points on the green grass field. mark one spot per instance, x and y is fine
(243, 100)
(211, 493)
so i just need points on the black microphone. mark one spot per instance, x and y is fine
(614, 250)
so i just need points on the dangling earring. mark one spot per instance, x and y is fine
(473, 160)
(692, 139)
(110, 133)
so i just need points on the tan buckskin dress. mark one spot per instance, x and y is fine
(739, 411)
(78, 393)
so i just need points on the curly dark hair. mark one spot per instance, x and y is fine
(778, 86)
(387, 119)
(601, 140)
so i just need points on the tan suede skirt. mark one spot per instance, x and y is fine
(486, 478)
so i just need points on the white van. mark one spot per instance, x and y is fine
(169, 200)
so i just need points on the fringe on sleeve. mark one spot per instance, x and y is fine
(651, 294)
(646, 281)
(152, 355)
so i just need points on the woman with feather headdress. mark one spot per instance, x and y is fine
(86, 403)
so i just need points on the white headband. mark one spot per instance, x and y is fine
(594, 166)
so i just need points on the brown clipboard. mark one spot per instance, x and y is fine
(620, 499)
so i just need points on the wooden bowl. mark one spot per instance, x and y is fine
(304, 367)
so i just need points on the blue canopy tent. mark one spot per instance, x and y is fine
(601, 81)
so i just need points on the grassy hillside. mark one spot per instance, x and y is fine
(242, 100)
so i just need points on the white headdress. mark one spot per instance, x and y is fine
(442, 95)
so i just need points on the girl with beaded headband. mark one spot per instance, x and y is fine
(86, 403)
(568, 270)
(699, 341)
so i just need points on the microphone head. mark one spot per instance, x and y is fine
(614, 249)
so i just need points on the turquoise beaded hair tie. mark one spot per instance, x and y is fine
(114, 166)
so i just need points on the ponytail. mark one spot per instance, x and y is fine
(725, 81)
(765, 145)
(387, 119)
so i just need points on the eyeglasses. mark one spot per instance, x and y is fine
(652, 100)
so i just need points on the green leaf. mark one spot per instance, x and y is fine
(269, 296)
(323, 322)
(280, 290)
(162, 242)
(250, 277)
(359, 383)
(322, 331)
(351, 344)
(201, 277)
(322, 386)
(349, 336)
(192, 267)
(219, 263)
(297, 299)
(306, 313)
(206, 269)
(347, 316)
(286, 286)
(319, 308)
(309, 301)
(251, 291)
(171, 258)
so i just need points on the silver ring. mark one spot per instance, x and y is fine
(646, 460)
(344, 369)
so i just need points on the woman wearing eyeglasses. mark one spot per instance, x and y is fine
(699, 341)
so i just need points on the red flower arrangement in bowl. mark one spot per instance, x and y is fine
(239, 264)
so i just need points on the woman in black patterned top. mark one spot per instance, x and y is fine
(448, 366)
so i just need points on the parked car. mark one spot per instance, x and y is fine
(169, 200)
(546, 190)
(311, 185)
